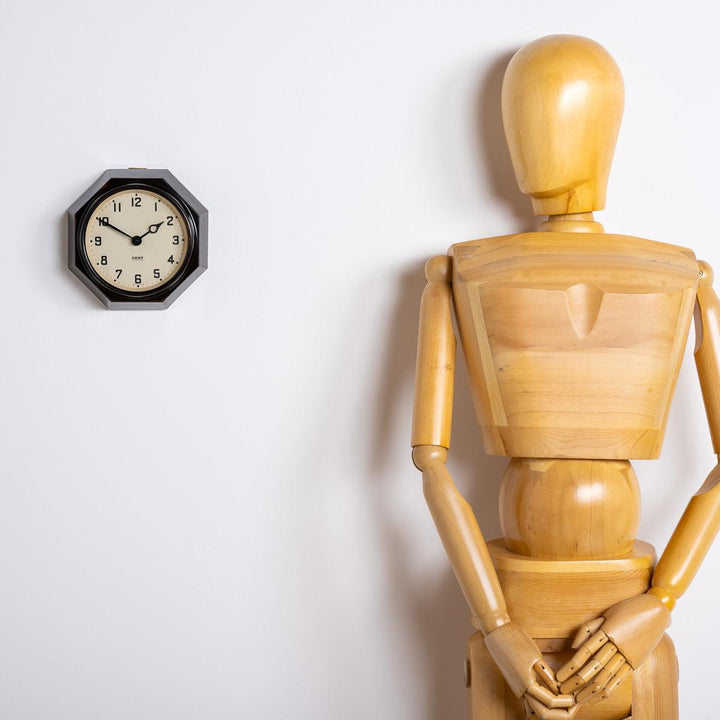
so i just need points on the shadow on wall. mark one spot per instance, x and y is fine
(434, 610)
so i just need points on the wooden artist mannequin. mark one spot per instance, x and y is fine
(573, 340)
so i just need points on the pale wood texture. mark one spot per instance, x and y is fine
(513, 655)
(635, 624)
(573, 340)
(490, 697)
(562, 103)
(655, 685)
(434, 376)
(552, 598)
(462, 539)
(569, 509)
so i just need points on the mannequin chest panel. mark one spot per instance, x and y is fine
(573, 342)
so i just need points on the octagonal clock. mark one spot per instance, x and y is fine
(137, 238)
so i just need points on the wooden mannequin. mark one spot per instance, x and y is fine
(573, 340)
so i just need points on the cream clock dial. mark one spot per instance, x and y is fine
(136, 240)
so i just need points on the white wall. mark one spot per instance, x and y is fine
(210, 512)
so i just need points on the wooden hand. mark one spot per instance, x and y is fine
(528, 676)
(611, 647)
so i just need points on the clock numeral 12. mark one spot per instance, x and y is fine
(136, 201)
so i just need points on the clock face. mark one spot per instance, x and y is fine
(136, 240)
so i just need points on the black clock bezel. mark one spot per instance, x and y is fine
(86, 215)
(159, 181)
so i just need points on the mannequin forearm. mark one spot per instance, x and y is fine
(462, 539)
(689, 543)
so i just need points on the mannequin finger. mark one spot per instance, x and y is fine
(586, 631)
(591, 669)
(602, 678)
(586, 651)
(547, 698)
(546, 675)
(546, 713)
(624, 671)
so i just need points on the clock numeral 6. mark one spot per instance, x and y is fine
(138, 279)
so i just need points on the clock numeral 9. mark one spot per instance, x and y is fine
(136, 201)
(176, 239)
(138, 279)
(103, 220)
(156, 273)
(103, 259)
(98, 241)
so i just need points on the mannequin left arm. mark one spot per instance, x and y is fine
(613, 646)
(701, 520)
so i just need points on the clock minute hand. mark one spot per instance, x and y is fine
(152, 229)
(122, 232)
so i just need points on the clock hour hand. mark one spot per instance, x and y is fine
(152, 229)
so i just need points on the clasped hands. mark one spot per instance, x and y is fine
(608, 648)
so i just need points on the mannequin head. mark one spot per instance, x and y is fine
(562, 103)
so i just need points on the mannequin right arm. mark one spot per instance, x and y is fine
(432, 415)
(514, 652)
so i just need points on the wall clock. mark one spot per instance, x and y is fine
(137, 238)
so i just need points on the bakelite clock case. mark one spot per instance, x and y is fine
(164, 183)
